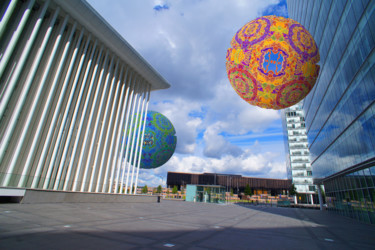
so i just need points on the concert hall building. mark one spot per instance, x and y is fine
(237, 183)
(70, 87)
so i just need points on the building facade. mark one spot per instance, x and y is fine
(70, 87)
(236, 183)
(340, 110)
(205, 193)
(297, 152)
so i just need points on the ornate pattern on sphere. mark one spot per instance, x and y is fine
(159, 142)
(272, 62)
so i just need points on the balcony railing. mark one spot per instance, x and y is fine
(300, 160)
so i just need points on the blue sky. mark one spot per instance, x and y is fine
(186, 42)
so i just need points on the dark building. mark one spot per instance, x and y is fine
(235, 182)
(340, 109)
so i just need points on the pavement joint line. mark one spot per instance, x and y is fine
(347, 243)
(169, 245)
(308, 229)
(98, 235)
(260, 223)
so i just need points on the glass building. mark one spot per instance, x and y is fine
(297, 153)
(205, 193)
(340, 109)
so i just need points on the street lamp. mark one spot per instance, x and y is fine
(162, 180)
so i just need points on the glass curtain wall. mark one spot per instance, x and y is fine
(353, 195)
(340, 110)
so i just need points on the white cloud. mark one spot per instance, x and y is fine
(186, 126)
(186, 43)
(237, 116)
(216, 146)
(264, 165)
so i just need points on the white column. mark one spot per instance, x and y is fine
(113, 131)
(46, 107)
(86, 105)
(9, 50)
(139, 116)
(46, 143)
(122, 130)
(129, 145)
(97, 115)
(110, 167)
(108, 131)
(14, 81)
(88, 126)
(58, 143)
(6, 17)
(312, 199)
(103, 124)
(17, 111)
(64, 123)
(116, 136)
(320, 196)
(144, 111)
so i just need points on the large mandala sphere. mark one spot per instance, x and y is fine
(272, 62)
(159, 141)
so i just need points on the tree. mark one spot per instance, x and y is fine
(131, 189)
(174, 190)
(145, 190)
(293, 190)
(159, 189)
(231, 192)
(247, 190)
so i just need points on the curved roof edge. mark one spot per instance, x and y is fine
(88, 17)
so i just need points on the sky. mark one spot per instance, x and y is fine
(186, 42)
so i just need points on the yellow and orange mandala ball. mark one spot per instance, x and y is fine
(272, 62)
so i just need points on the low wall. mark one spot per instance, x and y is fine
(48, 196)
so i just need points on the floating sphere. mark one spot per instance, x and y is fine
(159, 142)
(272, 62)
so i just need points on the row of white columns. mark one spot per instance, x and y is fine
(71, 110)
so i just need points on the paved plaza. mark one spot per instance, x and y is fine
(176, 225)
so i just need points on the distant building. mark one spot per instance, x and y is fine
(297, 152)
(340, 110)
(237, 183)
(70, 87)
(205, 193)
(166, 193)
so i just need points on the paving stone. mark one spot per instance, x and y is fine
(176, 225)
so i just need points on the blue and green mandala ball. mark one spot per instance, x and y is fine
(159, 142)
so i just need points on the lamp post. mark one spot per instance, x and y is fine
(162, 179)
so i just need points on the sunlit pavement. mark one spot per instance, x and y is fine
(177, 225)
